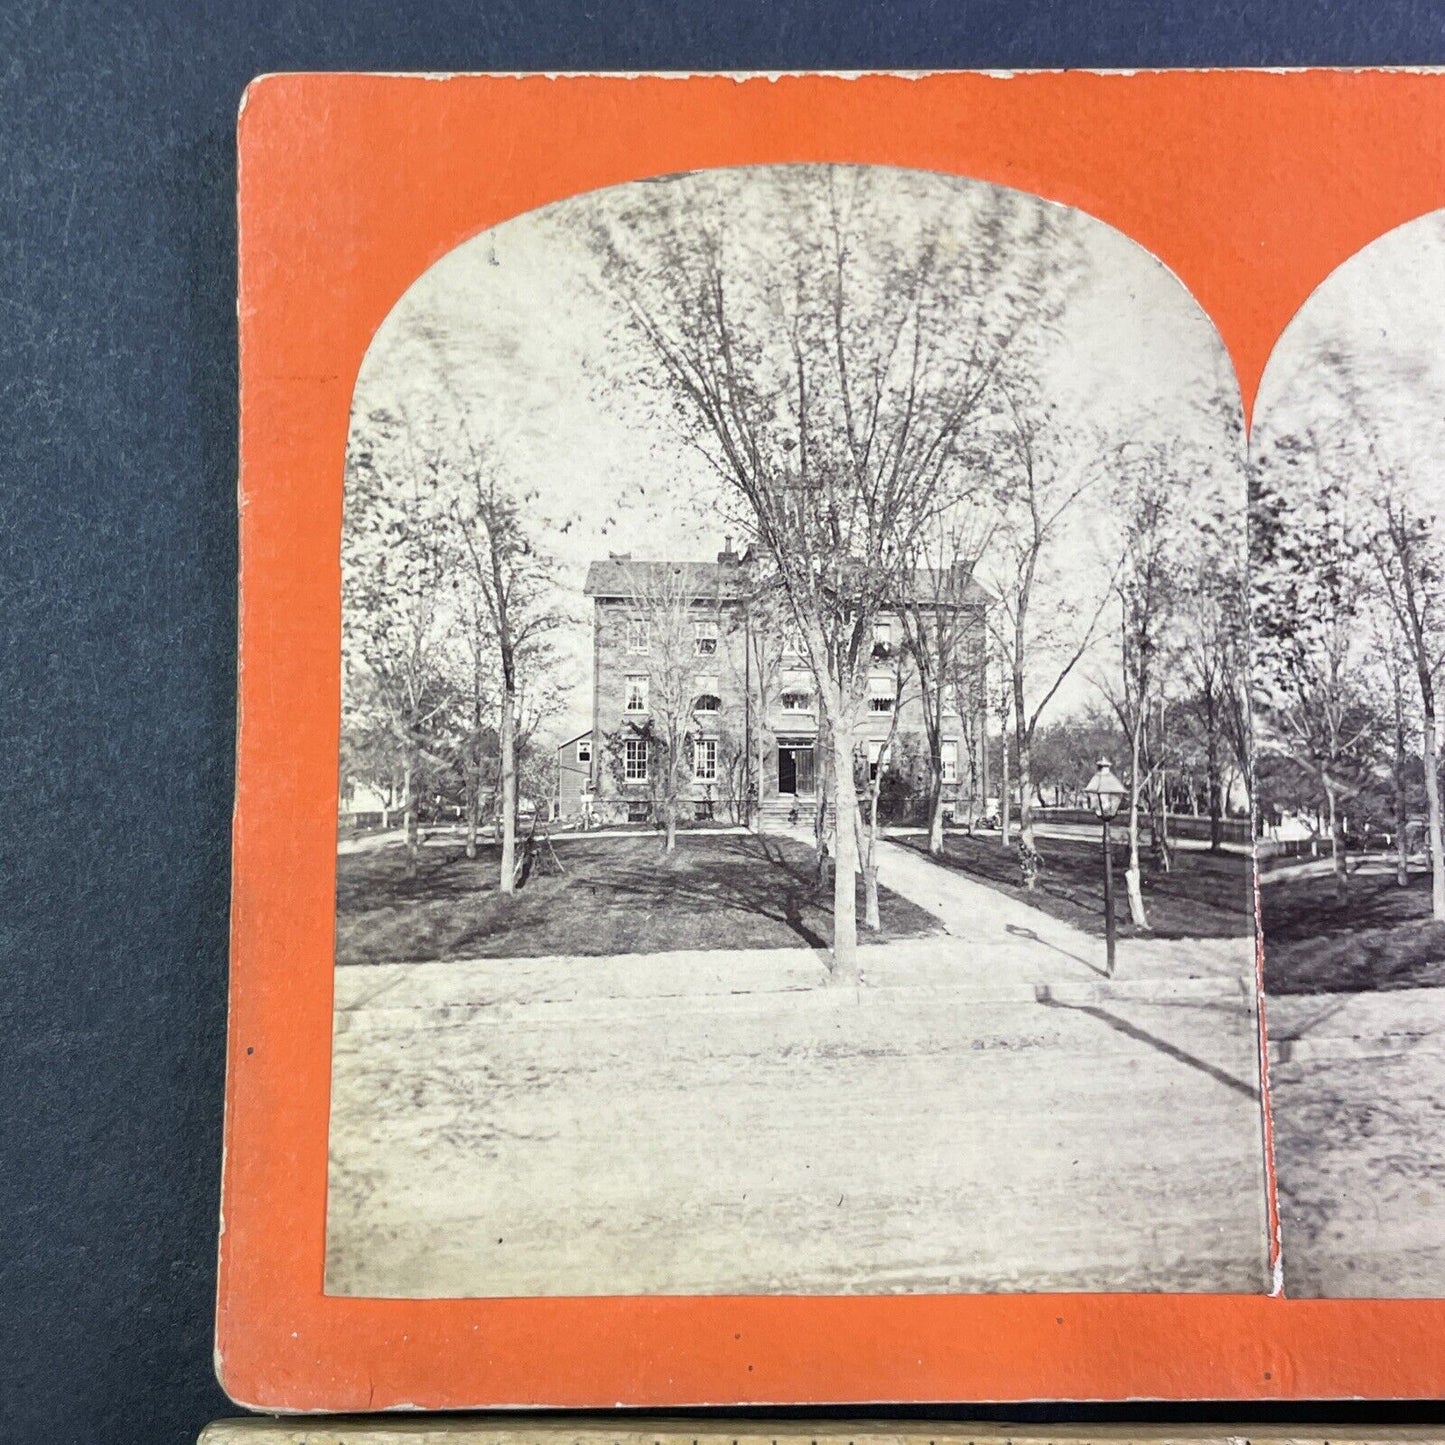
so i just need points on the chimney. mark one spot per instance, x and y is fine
(727, 557)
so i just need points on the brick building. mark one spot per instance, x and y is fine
(689, 638)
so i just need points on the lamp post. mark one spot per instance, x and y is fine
(1106, 795)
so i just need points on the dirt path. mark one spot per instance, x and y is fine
(983, 1113)
(1358, 1089)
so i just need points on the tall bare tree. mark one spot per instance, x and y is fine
(683, 621)
(1042, 624)
(1309, 577)
(395, 631)
(1146, 499)
(828, 353)
(514, 580)
(942, 611)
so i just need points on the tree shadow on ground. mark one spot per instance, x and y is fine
(616, 895)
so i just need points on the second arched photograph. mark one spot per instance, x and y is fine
(1347, 559)
(795, 766)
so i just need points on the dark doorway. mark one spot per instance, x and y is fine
(795, 770)
(787, 771)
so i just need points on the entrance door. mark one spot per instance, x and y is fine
(787, 771)
(803, 766)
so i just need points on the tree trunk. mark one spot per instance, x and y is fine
(1216, 797)
(845, 896)
(669, 812)
(1131, 873)
(474, 806)
(1432, 800)
(508, 745)
(1339, 860)
(1003, 792)
(1028, 854)
(870, 857)
(935, 817)
(1402, 798)
(474, 766)
(413, 842)
(761, 749)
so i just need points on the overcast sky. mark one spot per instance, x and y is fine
(1384, 310)
(525, 332)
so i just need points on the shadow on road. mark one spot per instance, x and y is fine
(1044, 995)
(1015, 931)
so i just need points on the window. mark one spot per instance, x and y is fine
(704, 760)
(798, 701)
(584, 750)
(882, 639)
(636, 692)
(706, 696)
(882, 694)
(704, 639)
(793, 642)
(634, 760)
(638, 637)
(639, 811)
(949, 753)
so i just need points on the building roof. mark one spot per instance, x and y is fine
(624, 576)
(621, 576)
(568, 743)
(926, 583)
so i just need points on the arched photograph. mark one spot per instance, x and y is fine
(795, 769)
(1347, 556)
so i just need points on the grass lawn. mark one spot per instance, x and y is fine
(1380, 936)
(618, 895)
(1204, 895)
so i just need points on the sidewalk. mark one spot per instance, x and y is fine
(1035, 946)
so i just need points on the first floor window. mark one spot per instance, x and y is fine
(797, 702)
(634, 761)
(704, 760)
(637, 692)
(882, 694)
(950, 761)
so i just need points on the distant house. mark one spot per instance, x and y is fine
(574, 775)
(756, 711)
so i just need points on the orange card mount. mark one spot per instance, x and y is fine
(355, 1280)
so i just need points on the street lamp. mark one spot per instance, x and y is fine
(1106, 796)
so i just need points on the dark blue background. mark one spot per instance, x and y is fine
(117, 579)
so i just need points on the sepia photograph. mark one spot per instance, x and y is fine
(796, 771)
(1347, 551)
